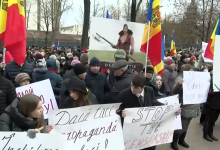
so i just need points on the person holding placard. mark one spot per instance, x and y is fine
(188, 111)
(212, 112)
(23, 114)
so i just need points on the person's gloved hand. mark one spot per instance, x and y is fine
(31, 133)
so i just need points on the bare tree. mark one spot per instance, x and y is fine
(27, 7)
(86, 22)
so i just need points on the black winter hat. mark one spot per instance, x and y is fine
(76, 54)
(77, 85)
(94, 62)
(79, 69)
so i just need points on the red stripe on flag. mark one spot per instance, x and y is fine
(208, 52)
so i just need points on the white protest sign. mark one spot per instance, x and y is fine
(195, 87)
(173, 100)
(216, 64)
(89, 127)
(204, 45)
(42, 89)
(153, 126)
(20, 141)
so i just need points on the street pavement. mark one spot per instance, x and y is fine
(195, 140)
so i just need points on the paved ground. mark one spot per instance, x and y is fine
(195, 140)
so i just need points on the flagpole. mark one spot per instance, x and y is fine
(164, 44)
(148, 36)
(3, 59)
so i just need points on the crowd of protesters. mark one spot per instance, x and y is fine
(77, 82)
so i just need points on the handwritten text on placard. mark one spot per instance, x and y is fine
(153, 126)
(20, 141)
(95, 127)
(42, 89)
(195, 87)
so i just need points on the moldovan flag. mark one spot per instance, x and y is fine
(209, 52)
(13, 29)
(155, 39)
(172, 47)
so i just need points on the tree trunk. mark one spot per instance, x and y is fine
(133, 11)
(84, 39)
(209, 22)
(203, 21)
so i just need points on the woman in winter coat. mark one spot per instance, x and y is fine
(212, 112)
(23, 114)
(157, 86)
(188, 111)
(22, 79)
(77, 94)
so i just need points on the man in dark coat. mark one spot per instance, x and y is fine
(7, 93)
(12, 69)
(119, 79)
(97, 81)
(137, 95)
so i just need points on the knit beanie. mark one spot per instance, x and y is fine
(22, 77)
(94, 62)
(77, 85)
(169, 61)
(38, 56)
(84, 58)
(120, 54)
(74, 62)
(76, 54)
(79, 69)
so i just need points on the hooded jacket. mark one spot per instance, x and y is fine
(13, 120)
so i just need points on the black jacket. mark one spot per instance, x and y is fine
(98, 85)
(118, 84)
(40, 73)
(7, 93)
(12, 70)
(13, 120)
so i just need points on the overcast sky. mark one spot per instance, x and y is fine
(73, 16)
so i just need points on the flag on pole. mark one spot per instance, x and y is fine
(163, 48)
(13, 28)
(173, 45)
(108, 15)
(58, 44)
(155, 38)
(209, 52)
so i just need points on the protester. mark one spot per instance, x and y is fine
(23, 114)
(213, 111)
(188, 111)
(12, 69)
(120, 80)
(40, 67)
(74, 62)
(97, 81)
(149, 73)
(77, 94)
(169, 76)
(84, 59)
(192, 61)
(76, 55)
(7, 93)
(181, 62)
(55, 78)
(22, 79)
(157, 85)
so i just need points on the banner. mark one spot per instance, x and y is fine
(195, 87)
(42, 89)
(150, 125)
(90, 127)
(173, 100)
(20, 141)
(216, 64)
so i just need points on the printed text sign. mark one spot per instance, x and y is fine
(195, 87)
(20, 141)
(89, 127)
(153, 126)
(42, 89)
